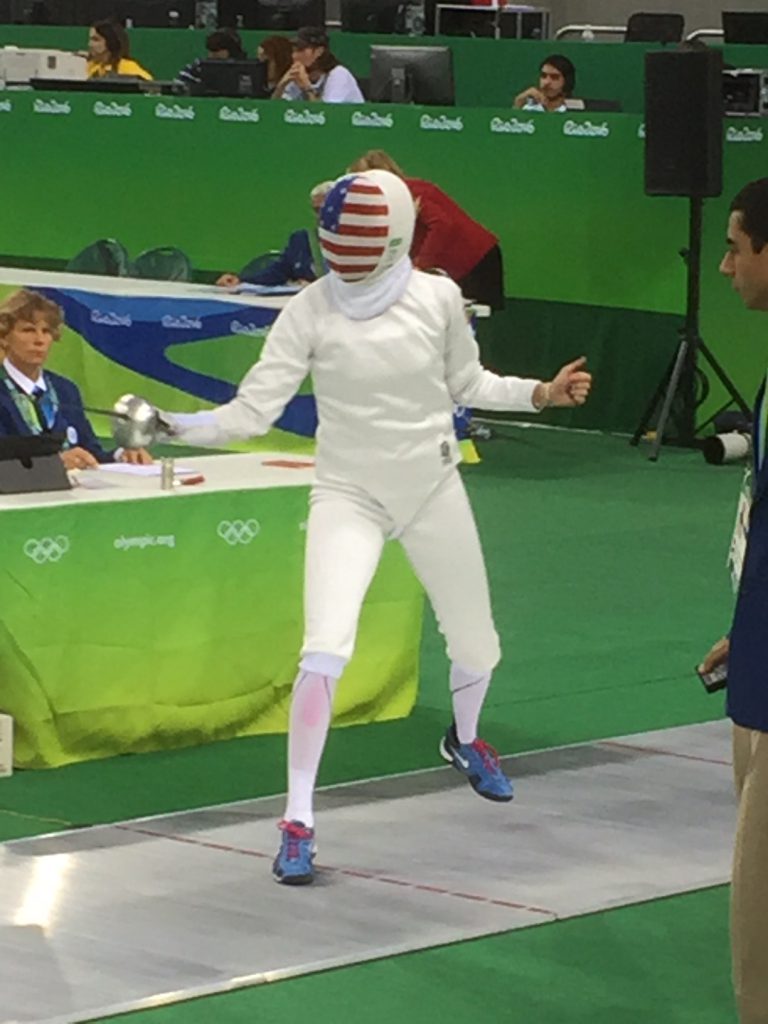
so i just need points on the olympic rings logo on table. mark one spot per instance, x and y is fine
(238, 531)
(46, 549)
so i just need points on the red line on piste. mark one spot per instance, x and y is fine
(666, 753)
(348, 872)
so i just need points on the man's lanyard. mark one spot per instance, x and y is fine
(738, 547)
(761, 426)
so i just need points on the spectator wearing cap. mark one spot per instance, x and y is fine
(557, 80)
(315, 73)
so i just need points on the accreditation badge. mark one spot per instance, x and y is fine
(72, 436)
(738, 546)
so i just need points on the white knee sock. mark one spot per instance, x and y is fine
(468, 690)
(310, 720)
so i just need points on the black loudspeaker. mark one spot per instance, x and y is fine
(684, 123)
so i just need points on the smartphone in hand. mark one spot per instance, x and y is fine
(715, 680)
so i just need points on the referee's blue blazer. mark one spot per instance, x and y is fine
(70, 417)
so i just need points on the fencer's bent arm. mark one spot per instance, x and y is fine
(469, 383)
(263, 393)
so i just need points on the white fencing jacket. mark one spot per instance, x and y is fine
(385, 389)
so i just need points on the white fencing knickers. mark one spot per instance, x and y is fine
(346, 532)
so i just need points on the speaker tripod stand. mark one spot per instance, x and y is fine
(679, 381)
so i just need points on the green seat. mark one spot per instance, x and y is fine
(106, 256)
(258, 264)
(165, 263)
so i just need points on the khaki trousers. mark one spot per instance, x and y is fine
(749, 892)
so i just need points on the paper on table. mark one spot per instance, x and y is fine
(154, 469)
(264, 289)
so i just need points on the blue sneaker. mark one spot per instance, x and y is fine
(480, 763)
(293, 863)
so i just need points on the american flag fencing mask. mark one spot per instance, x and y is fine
(366, 225)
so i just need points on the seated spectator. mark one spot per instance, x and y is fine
(36, 401)
(277, 51)
(109, 52)
(446, 237)
(557, 80)
(299, 263)
(223, 44)
(315, 73)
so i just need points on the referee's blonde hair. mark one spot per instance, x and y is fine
(27, 306)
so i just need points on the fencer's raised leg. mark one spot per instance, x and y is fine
(443, 546)
(468, 690)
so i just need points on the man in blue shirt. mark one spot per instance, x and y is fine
(745, 650)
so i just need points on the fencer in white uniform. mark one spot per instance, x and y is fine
(390, 352)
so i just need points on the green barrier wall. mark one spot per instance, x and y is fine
(227, 180)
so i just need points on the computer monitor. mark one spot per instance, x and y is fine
(493, 22)
(382, 16)
(412, 74)
(271, 15)
(233, 78)
(654, 27)
(466, 20)
(523, 22)
(745, 26)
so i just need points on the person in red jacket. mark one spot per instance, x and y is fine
(446, 237)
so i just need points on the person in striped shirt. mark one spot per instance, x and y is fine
(390, 352)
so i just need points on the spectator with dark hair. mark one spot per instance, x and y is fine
(223, 44)
(315, 73)
(446, 237)
(109, 52)
(277, 51)
(557, 80)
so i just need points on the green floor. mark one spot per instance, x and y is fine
(609, 584)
